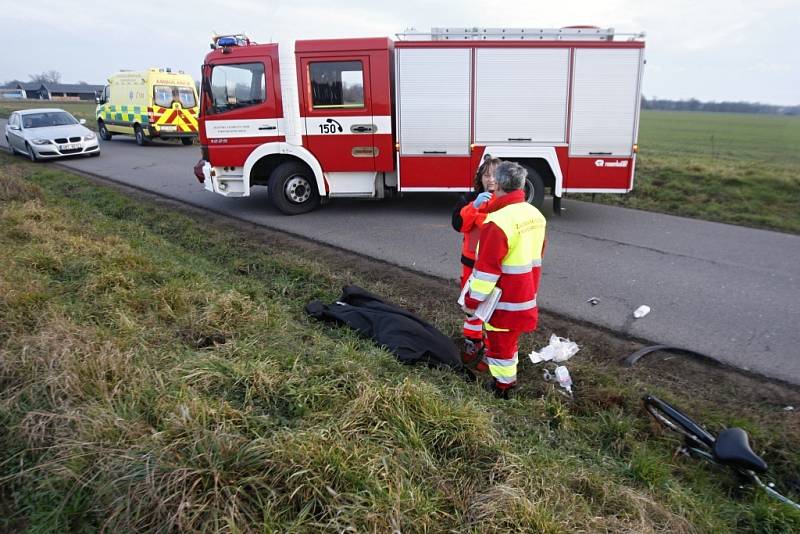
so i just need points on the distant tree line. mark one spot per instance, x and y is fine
(693, 104)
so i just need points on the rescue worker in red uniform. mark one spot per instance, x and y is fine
(510, 252)
(468, 216)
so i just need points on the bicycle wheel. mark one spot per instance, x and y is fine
(677, 421)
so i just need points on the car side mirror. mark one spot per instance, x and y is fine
(14, 127)
(98, 100)
(82, 121)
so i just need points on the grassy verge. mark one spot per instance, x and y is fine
(739, 169)
(80, 110)
(157, 373)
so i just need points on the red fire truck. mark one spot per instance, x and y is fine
(373, 117)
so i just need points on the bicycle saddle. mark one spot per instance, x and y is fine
(733, 448)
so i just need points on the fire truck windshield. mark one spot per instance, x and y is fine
(236, 86)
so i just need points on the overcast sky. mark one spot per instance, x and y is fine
(710, 50)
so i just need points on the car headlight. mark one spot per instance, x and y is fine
(40, 141)
(89, 137)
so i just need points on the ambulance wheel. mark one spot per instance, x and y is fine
(534, 188)
(292, 188)
(187, 141)
(105, 135)
(141, 139)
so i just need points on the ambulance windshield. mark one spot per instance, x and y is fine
(165, 95)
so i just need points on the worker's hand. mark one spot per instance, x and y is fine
(481, 198)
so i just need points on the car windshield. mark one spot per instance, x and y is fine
(46, 119)
(165, 95)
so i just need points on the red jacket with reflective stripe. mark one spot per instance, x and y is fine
(516, 288)
(469, 220)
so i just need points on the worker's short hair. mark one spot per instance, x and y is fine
(510, 176)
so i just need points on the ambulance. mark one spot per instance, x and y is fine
(372, 117)
(149, 104)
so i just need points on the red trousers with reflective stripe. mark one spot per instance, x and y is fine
(473, 328)
(502, 346)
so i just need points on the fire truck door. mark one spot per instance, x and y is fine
(241, 106)
(338, 112)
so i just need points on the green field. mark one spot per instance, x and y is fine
(158, 374)
(740, 169)
(81, 110)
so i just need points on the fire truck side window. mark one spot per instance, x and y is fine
(236, 86)
(337, 84)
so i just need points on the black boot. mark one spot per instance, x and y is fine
(500, 393)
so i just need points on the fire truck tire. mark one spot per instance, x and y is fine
(105, 135)
(292, 188)
(534, 188)
(141, 138)
(187, 141)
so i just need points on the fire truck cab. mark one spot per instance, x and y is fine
(372, 117)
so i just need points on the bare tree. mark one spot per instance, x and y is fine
(12, 83)
(50, 76)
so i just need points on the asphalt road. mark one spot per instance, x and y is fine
(729, 292)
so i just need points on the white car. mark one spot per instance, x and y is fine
(49, 133)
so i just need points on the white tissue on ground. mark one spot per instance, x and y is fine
(559, 350)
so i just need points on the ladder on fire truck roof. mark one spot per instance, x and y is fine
(574, 33)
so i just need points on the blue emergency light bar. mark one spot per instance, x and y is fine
(227, 41)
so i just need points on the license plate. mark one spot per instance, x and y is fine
(169, 128)
(71, 146)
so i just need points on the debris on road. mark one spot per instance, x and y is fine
(560, 376)
(559, 350)
(641, 311)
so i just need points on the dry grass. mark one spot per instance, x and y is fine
(157, 377)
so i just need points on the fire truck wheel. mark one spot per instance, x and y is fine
(141, 139)
(105, 135)
(534, 188)
(292, 189)
(187, 141)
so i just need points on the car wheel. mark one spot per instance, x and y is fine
(187, 141)
(105, 135)
(31, 153)
(293, 189)
(141, 139)
(534, 188)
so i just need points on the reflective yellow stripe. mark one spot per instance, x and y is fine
(506, 379)
(183, 118)
(480, 289)
(504, 370)
(491, 328)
